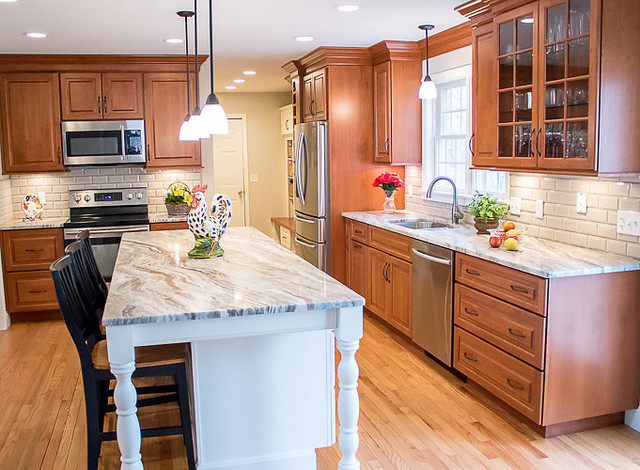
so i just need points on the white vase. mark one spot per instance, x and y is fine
(389, 206)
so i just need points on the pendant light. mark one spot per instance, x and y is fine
(213, 115)
(186, 130)
(427, 89)
(195, 121)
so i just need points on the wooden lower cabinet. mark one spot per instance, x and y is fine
(168, 226)
(562, 353)
(26, 257)
(399, 275)
(357, 275)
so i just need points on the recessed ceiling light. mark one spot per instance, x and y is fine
(173, 41)
(304, 38)
(249, 72)
(35, 35)
(231, 87)
(347, 8)
(528, 20)
(239, 80)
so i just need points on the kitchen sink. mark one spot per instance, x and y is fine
(418, 224)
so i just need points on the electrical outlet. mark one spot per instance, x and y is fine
(629, 223)
(515, 203)
(43, 197)
(409, 190)
(540, 209)
(581, 203)
(253, 178)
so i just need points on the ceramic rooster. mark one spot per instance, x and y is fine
(208, 226)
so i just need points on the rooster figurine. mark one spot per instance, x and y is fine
(208, 227)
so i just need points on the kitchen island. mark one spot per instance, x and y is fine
(261, 324)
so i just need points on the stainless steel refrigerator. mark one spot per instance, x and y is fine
(312, 193)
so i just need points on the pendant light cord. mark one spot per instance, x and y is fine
(211, 43)
(426, 38)
(195, 32)
(186, 49)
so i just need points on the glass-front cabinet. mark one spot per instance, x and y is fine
(569, 84)
(546, 83)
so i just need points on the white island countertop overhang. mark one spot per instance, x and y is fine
(257, 318)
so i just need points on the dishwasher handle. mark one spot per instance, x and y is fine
(446, 262)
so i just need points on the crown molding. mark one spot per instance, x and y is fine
(395, 50)
(447, 40)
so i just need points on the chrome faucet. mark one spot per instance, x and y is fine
(456, 213)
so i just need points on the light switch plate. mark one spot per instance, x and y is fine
(581, 203)
(540, 209)
(515, 203)
(629, 223)
(253, 178)
(43, 197)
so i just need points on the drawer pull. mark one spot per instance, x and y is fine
(475, 314)
(38, 291)
(359, 232)
(516, 386)
(357, 245)
(33, 250)
(513, 333)
(522, 290)
(473, 359)
(473, 273)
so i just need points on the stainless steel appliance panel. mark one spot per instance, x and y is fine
(432, 299)
(103, 142)
(314, 252)
(311, 228)
(311, 169)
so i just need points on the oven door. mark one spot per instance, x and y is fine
(105, 242)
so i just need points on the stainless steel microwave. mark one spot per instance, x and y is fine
(103, 142)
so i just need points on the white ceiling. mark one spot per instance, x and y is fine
(249, 34)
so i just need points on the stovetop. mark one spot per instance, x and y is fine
(107, 208)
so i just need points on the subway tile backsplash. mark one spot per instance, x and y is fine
(57, 185)
(596, 229)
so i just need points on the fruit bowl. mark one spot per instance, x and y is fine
(499, 237)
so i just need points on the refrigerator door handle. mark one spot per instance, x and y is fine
(304, 164)
(306, 221)
(308, 245)
(298, 169)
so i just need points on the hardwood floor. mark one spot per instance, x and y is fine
(415, 415)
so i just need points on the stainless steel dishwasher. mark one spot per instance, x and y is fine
(432, 299)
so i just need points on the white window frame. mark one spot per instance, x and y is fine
(429, 117)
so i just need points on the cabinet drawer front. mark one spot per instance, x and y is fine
(27, 250)
(360, 231)
(524, 290)
(30, 292)
(517, 331)
(390, 242)
(509, 379)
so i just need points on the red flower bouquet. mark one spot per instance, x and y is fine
(389, 182)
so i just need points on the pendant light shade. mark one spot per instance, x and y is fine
(186, 132)
(214, 118)
(427, 89)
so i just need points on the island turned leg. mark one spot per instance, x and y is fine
(348, 334)
(122, 359)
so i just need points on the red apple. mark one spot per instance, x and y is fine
(495, 241)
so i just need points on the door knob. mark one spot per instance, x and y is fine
(240, 192)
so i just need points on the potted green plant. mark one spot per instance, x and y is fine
(177, 199)
(487, 212)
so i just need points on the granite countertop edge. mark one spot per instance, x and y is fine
(615, 263)
(20, 224)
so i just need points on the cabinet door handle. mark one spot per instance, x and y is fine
(386, 146)
(473, 273)
(33, 249)
(532, 152)
(537, 139)
(470, 144)
(517, 335)
(516, 386)
(521, 290)
(384, 272)
(99, 106)
(59, 154)
(148, 152)
(37, 291)
(104, 103)
(470, 312)
(470, 358)
(357, 245)
(388, 269)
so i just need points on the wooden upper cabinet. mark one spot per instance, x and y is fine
(397, 109)
(314, 96)
(165, 102)
(81, 96)
(87, 96)
(563, 80)
(122, 96)
(382, 111)
(30, 120)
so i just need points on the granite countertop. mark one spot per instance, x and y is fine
(164, 218)
(536, 256)
(155, 281)
(46, 222)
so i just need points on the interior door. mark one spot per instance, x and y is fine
(81, 96)
(229, 169)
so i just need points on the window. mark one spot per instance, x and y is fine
(446, 135)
